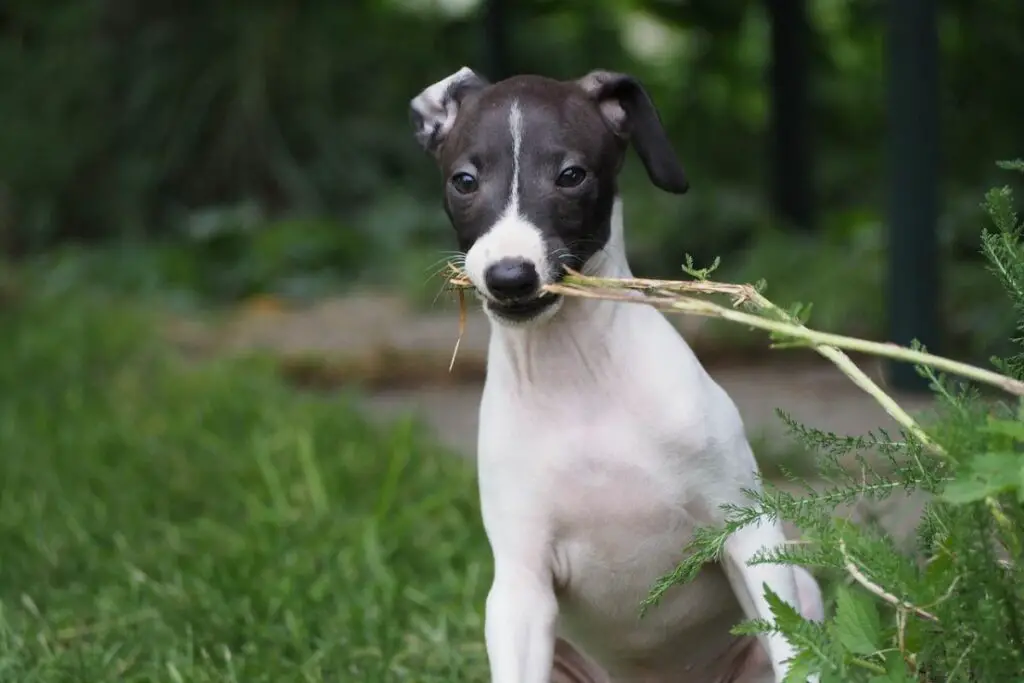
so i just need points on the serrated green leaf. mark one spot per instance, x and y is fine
(961, 492)
(895, 670)
(700, 273)
(786, 616)
(940, 565)
(987, 474)
(833, 676)
(996, 464)
(1011, 428)
(752, 627)
(857, 625)
(804, 313)
(801, 667)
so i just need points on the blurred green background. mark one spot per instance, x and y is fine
(184, 181)
(228, 150)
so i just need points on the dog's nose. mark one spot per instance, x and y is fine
(511, 278)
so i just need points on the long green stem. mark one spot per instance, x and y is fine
(870, 666)
(860, 378)
(604, 288)
(672, 296)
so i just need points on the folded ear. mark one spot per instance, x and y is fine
(631, 114)
(434, 110)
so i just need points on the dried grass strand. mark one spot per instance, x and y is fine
(461, 293)
(673, 296)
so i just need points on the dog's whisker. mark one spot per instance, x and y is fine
(442, 268)
(456, 257)
(596, 262)
(437, 274)
(445, 287)
(448, 288)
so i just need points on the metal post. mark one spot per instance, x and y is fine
(913, 102)
(496, 52)
(789, 124)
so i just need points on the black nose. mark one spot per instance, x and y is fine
(511, 278)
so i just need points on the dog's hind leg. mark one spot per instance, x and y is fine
(572, 666)
(748, 582)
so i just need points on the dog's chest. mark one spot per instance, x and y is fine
(596, 460)
(625, 508)
(617, 485)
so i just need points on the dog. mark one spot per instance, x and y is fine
(603, 442)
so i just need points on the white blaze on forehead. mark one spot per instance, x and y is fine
(515, 126)
(512, 235)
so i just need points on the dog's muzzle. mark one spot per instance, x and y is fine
(523, 310)
(514, 290)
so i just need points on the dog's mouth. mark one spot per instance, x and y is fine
(522, 310)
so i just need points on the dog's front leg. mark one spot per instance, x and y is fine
(748, 582)
(520, 625)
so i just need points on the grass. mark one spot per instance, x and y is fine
(161, 521)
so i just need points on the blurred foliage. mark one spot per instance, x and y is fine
(945, 606)
(162, 520)
(143, 120)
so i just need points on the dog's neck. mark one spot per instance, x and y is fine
(573, 347)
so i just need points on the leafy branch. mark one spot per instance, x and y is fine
(677, 297)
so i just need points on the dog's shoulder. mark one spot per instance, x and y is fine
(686, 405)
(660, 357)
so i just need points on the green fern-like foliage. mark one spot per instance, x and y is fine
(951, 606)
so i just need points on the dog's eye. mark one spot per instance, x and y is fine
(571, 177)
(463, 183)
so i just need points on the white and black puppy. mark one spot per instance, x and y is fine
(603, 442)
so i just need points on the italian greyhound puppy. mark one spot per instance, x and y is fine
(603, 442)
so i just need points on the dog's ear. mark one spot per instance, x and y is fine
(630, 113)
(433, 111)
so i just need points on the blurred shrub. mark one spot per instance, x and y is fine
(124, 118)
(162, 520)
(119, 115)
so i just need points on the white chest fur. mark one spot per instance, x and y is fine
(602, 444)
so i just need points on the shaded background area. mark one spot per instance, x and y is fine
(208, 209)
(251, 173)
(230, 152)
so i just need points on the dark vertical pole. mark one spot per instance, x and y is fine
(789, 123)
(913, 99)
(496, 29)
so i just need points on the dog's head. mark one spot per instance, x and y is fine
(530, 167)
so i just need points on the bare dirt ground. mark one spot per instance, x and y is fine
(401, 357)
